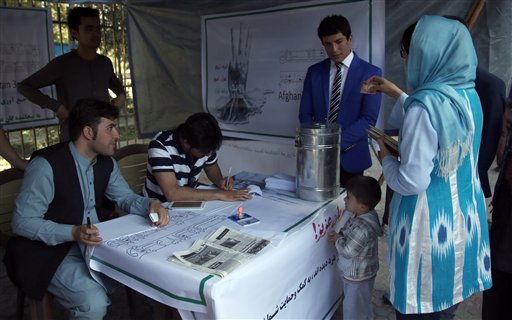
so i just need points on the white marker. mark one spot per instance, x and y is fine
(153, 216)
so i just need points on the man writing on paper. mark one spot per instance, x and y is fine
(81, 73)
(177, 157)
(331, 94)
(63, 187)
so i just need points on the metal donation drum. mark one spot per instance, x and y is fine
(318, 161)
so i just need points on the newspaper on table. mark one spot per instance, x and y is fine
(222, 252)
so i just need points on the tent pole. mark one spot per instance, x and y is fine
(474, 13)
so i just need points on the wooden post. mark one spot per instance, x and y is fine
(474, 13)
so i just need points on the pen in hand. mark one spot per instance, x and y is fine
(88, 235)
(227, 185)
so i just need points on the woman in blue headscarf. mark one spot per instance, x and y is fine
(438, 237)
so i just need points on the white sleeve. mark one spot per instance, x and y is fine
(418, 148)
(396, 116)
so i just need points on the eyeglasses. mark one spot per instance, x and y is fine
(403, 53)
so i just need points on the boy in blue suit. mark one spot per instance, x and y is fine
(356, 111)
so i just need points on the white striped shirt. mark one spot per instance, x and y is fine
(165, 154)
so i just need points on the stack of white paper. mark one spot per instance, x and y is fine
(280, 181)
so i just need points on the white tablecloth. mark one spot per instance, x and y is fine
(298, 278)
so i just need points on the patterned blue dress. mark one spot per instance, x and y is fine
(439, 243)
(438, 240)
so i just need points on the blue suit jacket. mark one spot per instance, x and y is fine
(357, 111)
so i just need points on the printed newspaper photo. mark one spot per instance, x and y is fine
(222, 252)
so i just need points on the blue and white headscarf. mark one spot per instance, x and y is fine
(441, 59)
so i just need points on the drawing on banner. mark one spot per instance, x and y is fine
(270, 51)
(26, 45)
(291, 79)
(242, 104)
(308, 55)
(150, 241)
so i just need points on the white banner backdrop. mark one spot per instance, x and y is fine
(254, 63)
(26, 45)
(257, 156)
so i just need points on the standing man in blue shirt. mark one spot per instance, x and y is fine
(354, 112)
(63, 187)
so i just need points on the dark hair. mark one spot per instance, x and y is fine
(407, 36)
(333, 24)
(75, 16)
(87, 112)
(202, 132)
(365, 189)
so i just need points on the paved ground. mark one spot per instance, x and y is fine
(146, 309)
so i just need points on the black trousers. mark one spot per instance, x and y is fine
(496, 301)
(440, 315)
(389, 195)
(418, 316)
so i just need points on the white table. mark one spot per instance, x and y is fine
(296, 279)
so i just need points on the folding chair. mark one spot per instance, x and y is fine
(10, 185)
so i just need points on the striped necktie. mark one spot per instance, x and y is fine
(334, 105)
